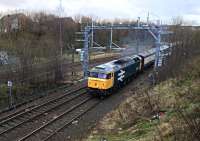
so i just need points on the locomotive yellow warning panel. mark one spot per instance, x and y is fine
(100, 80)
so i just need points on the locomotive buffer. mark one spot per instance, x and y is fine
(121, 75)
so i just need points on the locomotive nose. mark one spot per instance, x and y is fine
(97, 84)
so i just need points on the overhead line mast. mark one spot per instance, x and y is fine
(60, 28)
(60, 10)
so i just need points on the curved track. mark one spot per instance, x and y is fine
(47, 119)
(52, 127)
(25, 116)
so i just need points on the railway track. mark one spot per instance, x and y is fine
(51, 128)
(34, 98)
(25, 116)
(46, 130)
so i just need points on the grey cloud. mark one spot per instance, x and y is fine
(104, 8)
(12, 3)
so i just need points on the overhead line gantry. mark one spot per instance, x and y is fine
(88, 32)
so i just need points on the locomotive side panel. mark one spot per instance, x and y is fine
(125, 73)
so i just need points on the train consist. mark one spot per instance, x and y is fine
(106, 78)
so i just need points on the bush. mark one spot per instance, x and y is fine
(3, 93)
(18, 91)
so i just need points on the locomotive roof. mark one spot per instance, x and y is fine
(104, 68)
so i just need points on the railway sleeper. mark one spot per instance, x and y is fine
(29, 115)
(54, 102)
(4, 137)
(16, 121)
(21, 119)
(12, 123)
(25, 117)
(34, 112)
(38, 112)
(49, 131)
(44, 134)
(7, 126)
(42, 110)
(3, 128)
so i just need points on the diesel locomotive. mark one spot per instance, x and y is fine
(106, 78)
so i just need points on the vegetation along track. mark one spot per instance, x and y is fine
(20, 118)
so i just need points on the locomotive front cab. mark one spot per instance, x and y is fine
(100, 80)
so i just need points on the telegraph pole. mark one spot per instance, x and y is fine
(60, 28)
(60, 39)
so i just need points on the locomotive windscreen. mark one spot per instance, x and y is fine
(99, 75)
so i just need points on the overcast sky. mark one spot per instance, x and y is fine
(110, 9)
